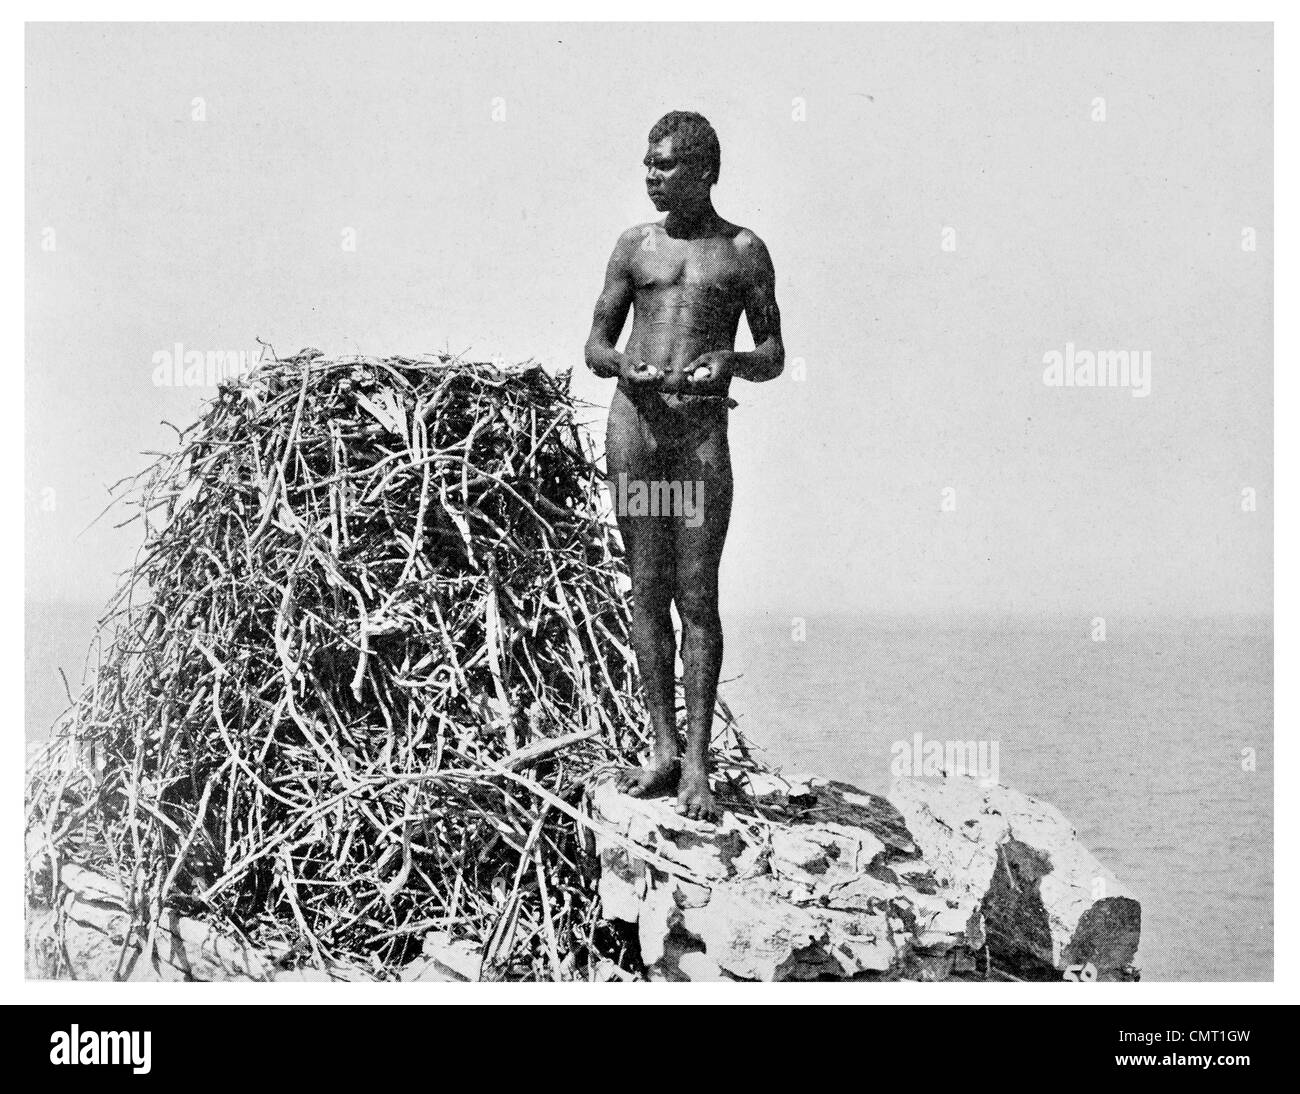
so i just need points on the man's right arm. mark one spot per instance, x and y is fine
(611, 311)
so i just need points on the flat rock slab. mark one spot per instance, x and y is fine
(811, 879)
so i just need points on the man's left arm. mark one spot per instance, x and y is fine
(766, 360)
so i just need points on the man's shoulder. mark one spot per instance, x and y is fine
(746, 239)
(752, 252)
(632, 240)
(638, 232)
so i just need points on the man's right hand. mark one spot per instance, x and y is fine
(639, 374)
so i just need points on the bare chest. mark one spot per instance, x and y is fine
(708, 267)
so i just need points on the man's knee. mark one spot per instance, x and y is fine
(652, 600)
(697, 604)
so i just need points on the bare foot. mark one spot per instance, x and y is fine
(649, 782)
(694, 798)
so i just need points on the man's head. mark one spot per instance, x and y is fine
(683, 160)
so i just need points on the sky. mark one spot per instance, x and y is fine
(946, 207)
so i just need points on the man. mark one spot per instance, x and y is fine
(687, 278)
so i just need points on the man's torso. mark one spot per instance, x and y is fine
(690, 294)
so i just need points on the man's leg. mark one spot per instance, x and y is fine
(648, 543)
(707, 464)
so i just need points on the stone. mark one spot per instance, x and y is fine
(444, 958)
(1049, 907)
(811, 879)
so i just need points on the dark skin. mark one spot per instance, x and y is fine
(687, 279)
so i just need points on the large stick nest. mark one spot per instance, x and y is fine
(374, 640)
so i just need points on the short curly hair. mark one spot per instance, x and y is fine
(694, 139)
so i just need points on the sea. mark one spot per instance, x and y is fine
(1155, 738)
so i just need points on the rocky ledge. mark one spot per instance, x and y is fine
(811, 879)
(803, 879)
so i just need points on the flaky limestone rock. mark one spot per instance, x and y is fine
(1050, 909)
(811, 879)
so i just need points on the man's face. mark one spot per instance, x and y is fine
(671, 182)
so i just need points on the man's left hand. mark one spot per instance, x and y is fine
(709, 368)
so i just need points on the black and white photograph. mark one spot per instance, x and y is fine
(720, 504)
